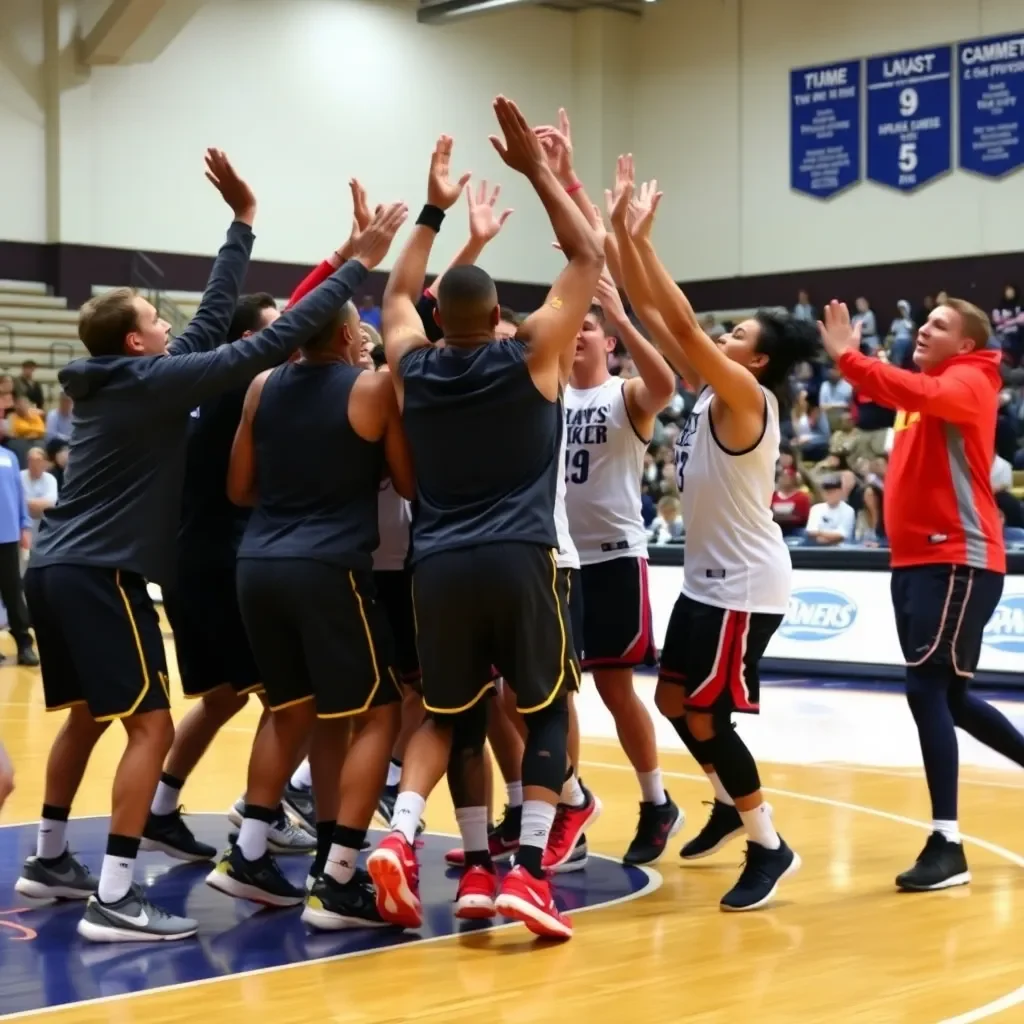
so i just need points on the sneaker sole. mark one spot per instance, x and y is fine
(396, 902)
(793, 868)
(155, 845)
(475, 908)
(41, 891)
(676, 828)
(241, 891)
(108, 933)
(594, 815)
(571, 865)
(947, 883)
(711, 850)
(544, 925)
(326, 921)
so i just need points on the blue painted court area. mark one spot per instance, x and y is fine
(43, 962)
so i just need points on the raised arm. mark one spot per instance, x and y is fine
(207, 329)
(185, 381)
(734, 385)
(400, 321)
(241, 483)
(553, 327)
(397, 453)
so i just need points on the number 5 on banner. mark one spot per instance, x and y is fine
(908, 157)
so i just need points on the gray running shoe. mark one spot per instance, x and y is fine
(284, 836)
(61, 879)
(132, 919)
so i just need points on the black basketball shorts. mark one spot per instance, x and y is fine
(394, 592)
(99, 639)
(318, 633)
(715, 655)
(499, 607)
(941, 614)
(618, 629)
(210, 641)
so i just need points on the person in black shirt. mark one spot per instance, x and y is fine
(113, 531)
(320, 637)
(487, 591)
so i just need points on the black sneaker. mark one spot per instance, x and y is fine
(386, 804)
(300, 803)
(28, 657)
(169, 834)
(258, 880)
(658, 823)
(761, 874)
(332, 906)
(940, 865)
(723, 825)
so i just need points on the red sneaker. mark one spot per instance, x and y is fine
(528, 899)
(396, 876)
(569, 824)
(477, 889)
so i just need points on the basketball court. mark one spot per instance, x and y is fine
(840, 945)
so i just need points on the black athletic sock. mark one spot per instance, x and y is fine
(324, 838)
(927, 695)
(530, 858)
(985, 723)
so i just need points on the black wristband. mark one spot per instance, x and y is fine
(431, 217)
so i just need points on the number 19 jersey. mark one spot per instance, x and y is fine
(604, 463)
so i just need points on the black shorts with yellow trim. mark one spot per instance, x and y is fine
(394, 592)
(318, 633)
(499, 607)
(210, 641)
(99, 639)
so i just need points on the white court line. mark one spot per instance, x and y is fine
(654, 881)
(1014, 998)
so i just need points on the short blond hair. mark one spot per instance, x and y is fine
(974, 322)
(106, 320)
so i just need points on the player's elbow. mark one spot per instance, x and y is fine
(662, 388)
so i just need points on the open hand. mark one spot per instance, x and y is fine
(837, 333)
(361, 217)
(608, 298)
(642, 210)
(483, 223)
(442, 192)
(521, 149)
(557, 146)
(226, 181)
(372, 244)
(624, 178)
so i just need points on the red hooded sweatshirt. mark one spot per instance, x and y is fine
(939, 506)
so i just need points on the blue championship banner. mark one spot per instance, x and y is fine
(910, 105)
(991, 104)
(825, 128)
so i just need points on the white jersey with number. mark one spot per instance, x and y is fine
(734, 555)
(394, 519)
(604, 463)
(568, 557)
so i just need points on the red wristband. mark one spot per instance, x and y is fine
(574, 187)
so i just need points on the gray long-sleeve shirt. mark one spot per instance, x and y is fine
(121, 501)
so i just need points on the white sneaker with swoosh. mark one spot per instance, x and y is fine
(132, 919)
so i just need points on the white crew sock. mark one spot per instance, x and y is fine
(760, 829)
(572, 794)
(473, 828)
(341, 863)
(115, 878)
(394, 773)
(651, 788)
(515, 793)
(408, 811)
(950, 830)
(720, 794)
(302, 778)
(538, 818)
(165, 800)
(50, 842)
(252, 838)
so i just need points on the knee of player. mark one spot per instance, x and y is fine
(223, 702)
(155, 729)
(469, 730)
(669, 699)
(702, 725)
(549, 722)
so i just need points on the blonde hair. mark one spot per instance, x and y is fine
(974, 322)
(371, 332)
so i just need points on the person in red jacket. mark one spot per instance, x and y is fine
(946, 542)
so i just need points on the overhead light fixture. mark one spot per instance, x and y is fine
(435, 11)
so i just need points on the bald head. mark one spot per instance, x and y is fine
(467, 303)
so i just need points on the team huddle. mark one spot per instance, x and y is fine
(409, 561)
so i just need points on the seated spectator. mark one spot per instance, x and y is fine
(58, 421)
(26, 421)
(845, 438)
(28, 387)
(865, 316)
(831, 521)
(811, 431)
(668, 524)
(835, 396)
(791, 505)
(40, 488)
(803, 310)
(870, 525)
(902, 332)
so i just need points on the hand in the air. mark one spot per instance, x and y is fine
(442, 192)
(838, 334)
(521, 149)
(484, 223)
(226, 181)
